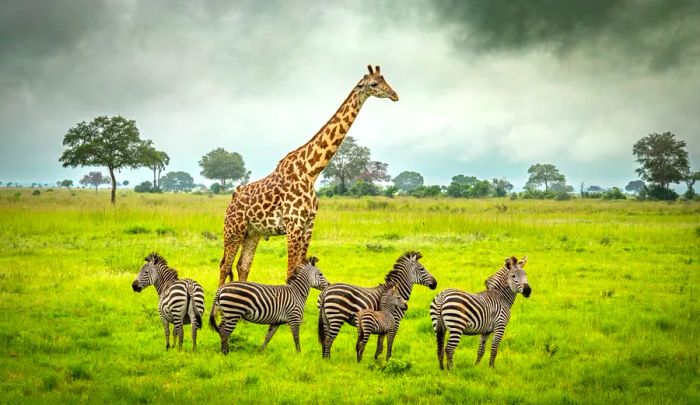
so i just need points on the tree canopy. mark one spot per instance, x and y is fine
(94, 179)
(154, 159)
(408, 181)
(635, 186)
(544, 174)
(348, 163)
(111, 142)
(663, 159)
(66, 183)
(222, 165)
(176, 181)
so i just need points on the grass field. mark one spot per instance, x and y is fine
(613, 316)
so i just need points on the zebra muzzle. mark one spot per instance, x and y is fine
(135, 286)
(527, 290)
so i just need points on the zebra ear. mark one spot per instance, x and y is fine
(312, 260)
(522, 262)
(508, 263)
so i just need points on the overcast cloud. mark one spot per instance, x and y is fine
(486, 88)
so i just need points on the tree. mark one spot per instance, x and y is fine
(544, 174)
(375, 172)
(66, 183)
(219, 164)
(468, 186)
(690, 179)
(362, 188)
(155, 160)
(663, 159)
(125, 183)
(501, 187)
(408, 181)
(635, 186)
(144, 187)
(594, 189)
(348, 163)
(112, 142)
(561, 188)
(176, 181)
(94, 179)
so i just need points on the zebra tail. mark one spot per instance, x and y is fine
(321, 328)
(212, 314)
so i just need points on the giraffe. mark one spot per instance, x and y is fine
(284, 201)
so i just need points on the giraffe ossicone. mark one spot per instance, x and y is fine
(284, 201)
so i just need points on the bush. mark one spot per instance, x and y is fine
(363, 188)
(614, 194)
(426, 191)
(390, 191)
(36, 192)
(215, 188)
(145, 187)
(656, 192)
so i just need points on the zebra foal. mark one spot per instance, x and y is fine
(339, 303)
(272, 305)
(181, 301)
(384, 322)
(461, 313)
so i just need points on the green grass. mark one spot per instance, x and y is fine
(612, 317)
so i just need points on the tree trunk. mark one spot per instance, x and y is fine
(114, 185)
(96, 185)
(155, 183)
(223, 184)
(159, 169)
(546, 187)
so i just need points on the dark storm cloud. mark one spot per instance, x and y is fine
(656, 33)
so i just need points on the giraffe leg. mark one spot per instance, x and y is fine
(295, 242)
(306, 238)
(230, 249)
(250, 243)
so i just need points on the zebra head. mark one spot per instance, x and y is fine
(517, 279)
(148, 275)
(409, 267)
(392, 299)
(314, 275)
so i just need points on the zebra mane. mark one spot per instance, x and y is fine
(155, 258)
(158, 260)
(400, 265)
(309, 261)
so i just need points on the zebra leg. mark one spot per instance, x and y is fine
(380, 346)
(440, 336)
(497, 335)
(294, 327)
(452, 343)
(270, 332)
(178, 333)
(331, 333)
(250, 243)
(389, 344)
(482, 347)
(225, 330)
(166, 329)
(362, 339)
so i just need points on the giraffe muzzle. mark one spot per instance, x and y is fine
(394, 97)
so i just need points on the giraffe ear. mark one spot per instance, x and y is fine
(369, 67)
(376, 69)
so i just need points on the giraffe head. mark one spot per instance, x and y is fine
(373, 84)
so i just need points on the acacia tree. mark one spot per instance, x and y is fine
(155, 160)
(544, 174)
(408, 181)
(635, 186)
(690, 179)
(663, 159)
(94, 179)
(348, 163)
(222, 165)
(66, 183)
(176, 181)
(111, 142)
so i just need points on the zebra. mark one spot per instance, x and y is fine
(384, 322)
(339, 303)
(461, 313)
(273, 305)
(181, 301)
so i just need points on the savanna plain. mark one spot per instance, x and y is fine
(613, 316)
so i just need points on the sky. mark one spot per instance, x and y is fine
(486, 88)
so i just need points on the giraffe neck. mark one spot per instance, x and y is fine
(316, 153)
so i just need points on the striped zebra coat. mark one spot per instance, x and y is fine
(272, 305)
(340, 303)
(384, 322)
(458, 313)
(181, 301)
